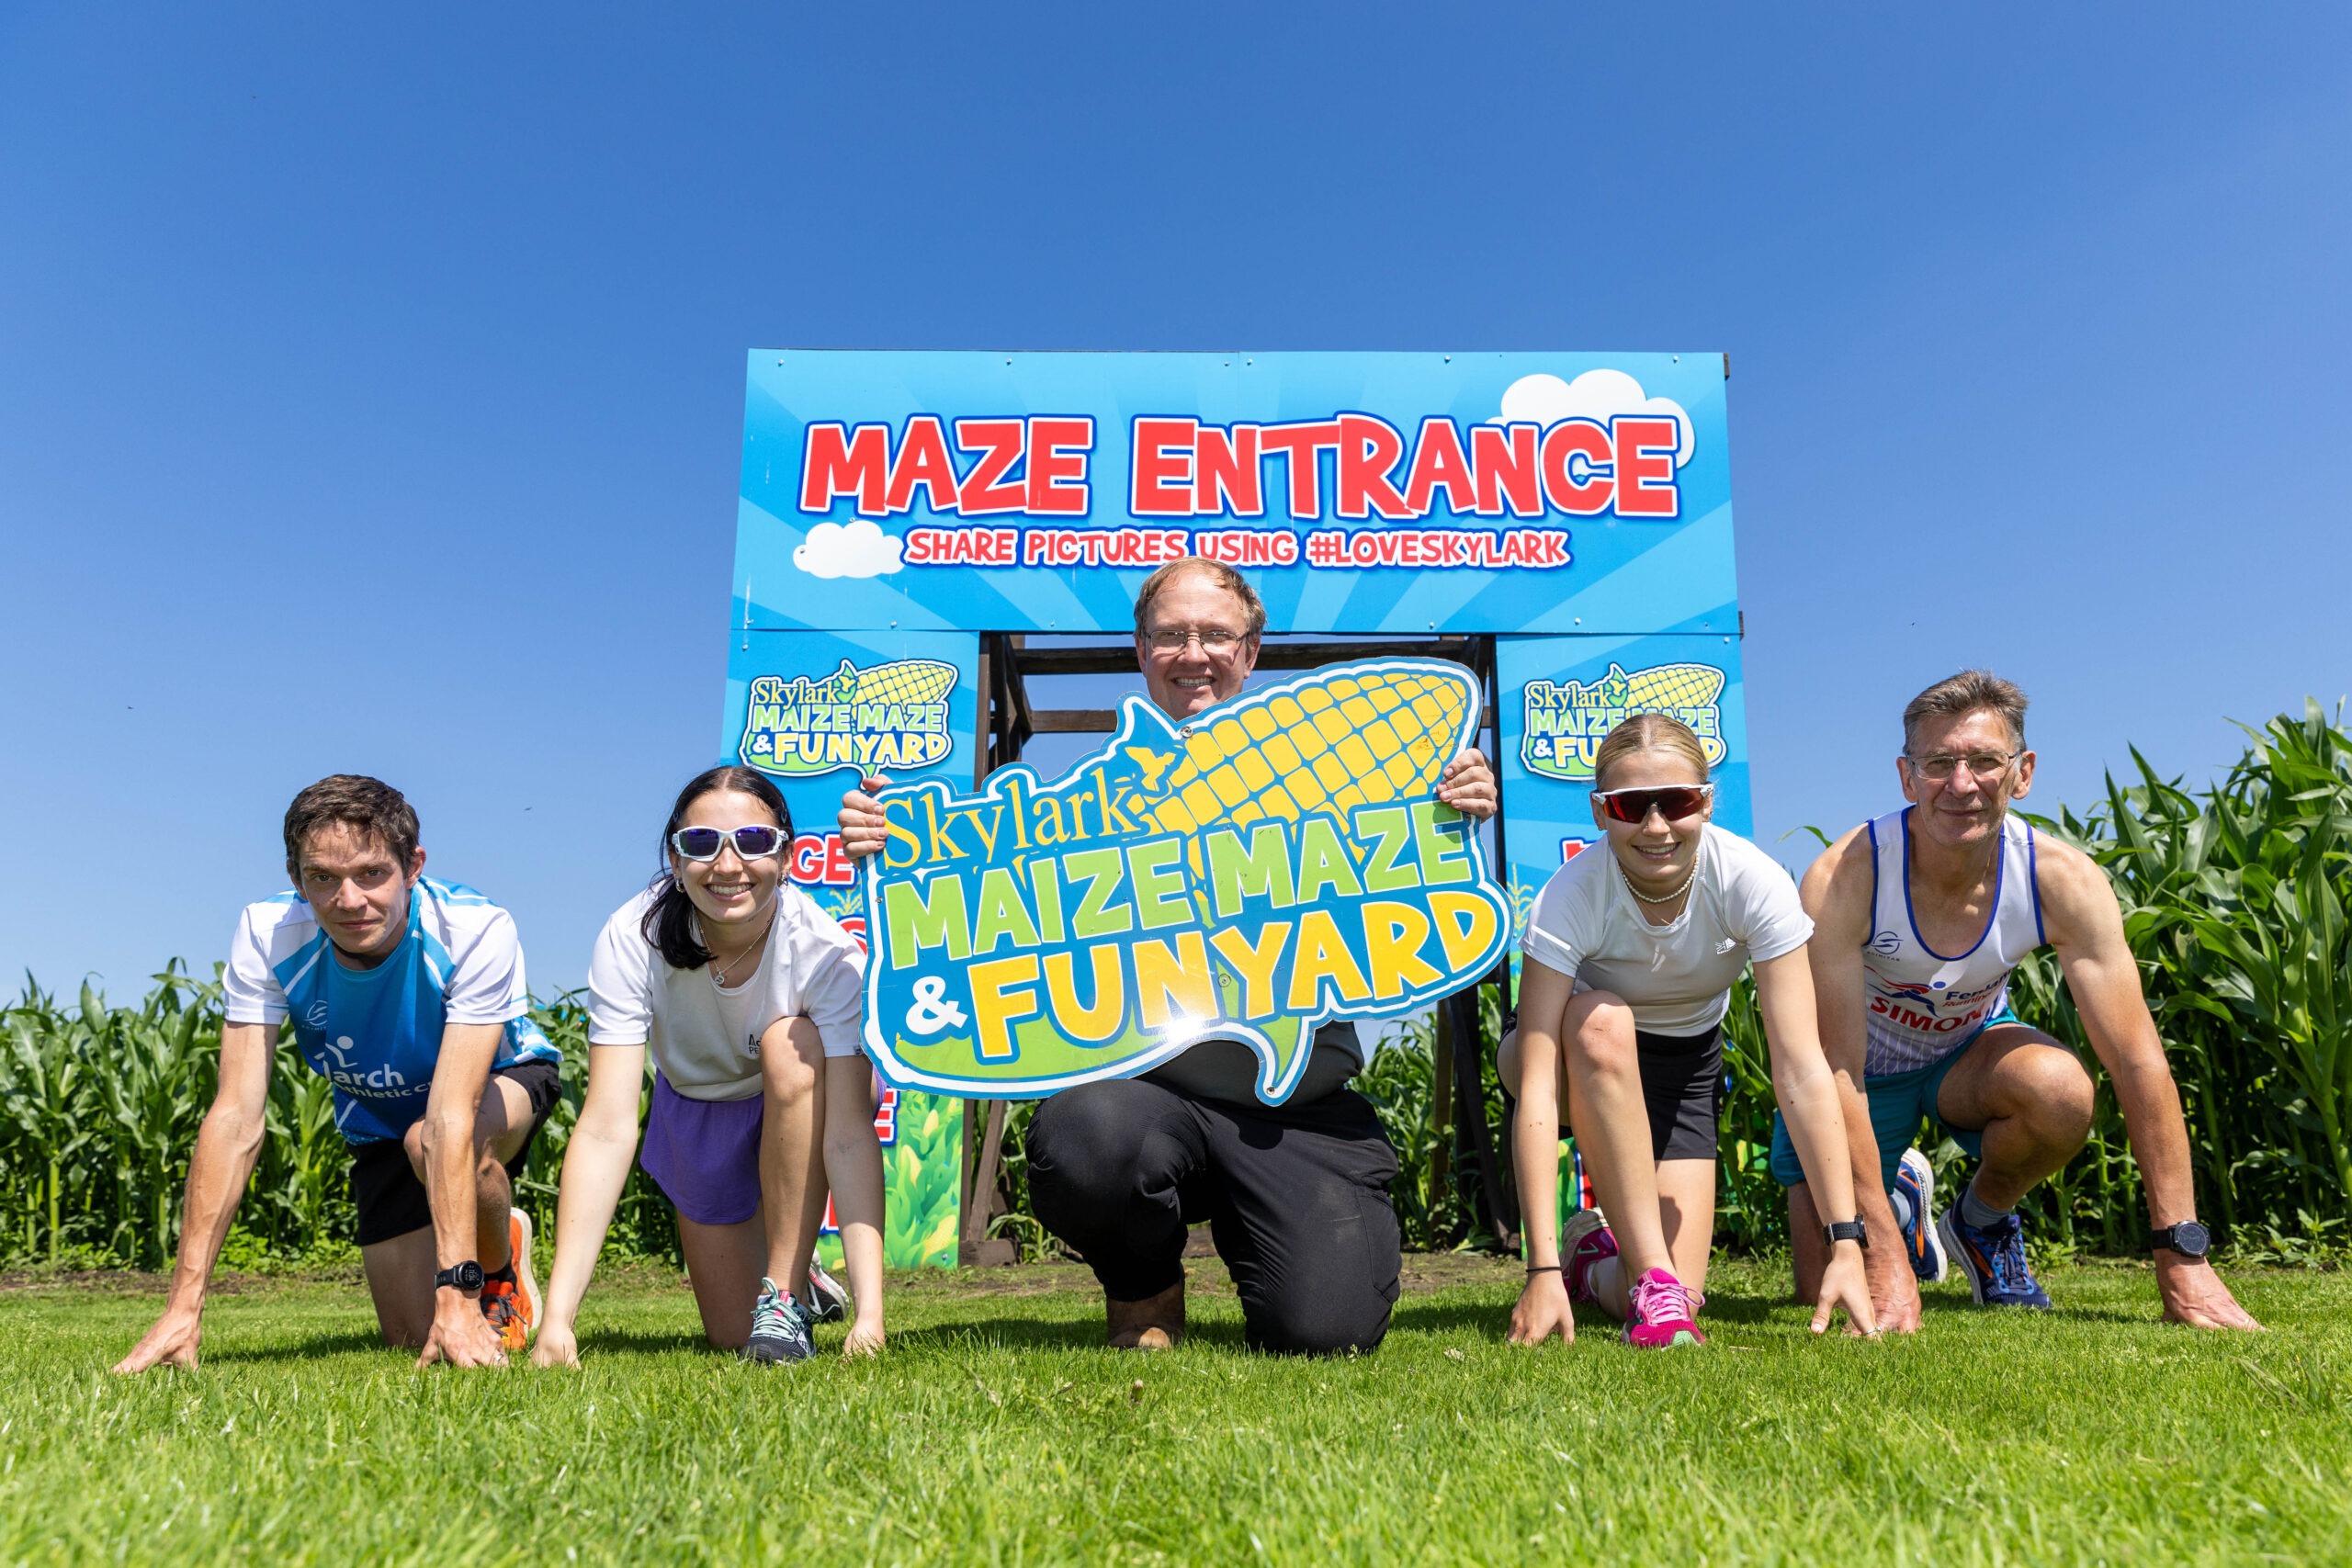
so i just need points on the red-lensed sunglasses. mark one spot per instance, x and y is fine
(1675, 801)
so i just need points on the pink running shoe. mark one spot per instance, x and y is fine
(1661, 1316)
(1585, 1240)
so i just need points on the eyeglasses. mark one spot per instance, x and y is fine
(1676, 801)
(1216, 642)
(753, 840)
(1980, 764)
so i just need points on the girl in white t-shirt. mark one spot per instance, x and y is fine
(751, 999)
(1629, 955)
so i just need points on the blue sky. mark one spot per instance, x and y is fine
(370, 383)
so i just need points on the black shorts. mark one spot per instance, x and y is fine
(1682, 1086)
(384, 1187)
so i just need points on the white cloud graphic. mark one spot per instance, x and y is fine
(853, 550)
(1596, 395)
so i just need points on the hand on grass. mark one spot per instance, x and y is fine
(1468, 786)
(861, 818)
(172, 1342)
(864, 1337)
(1844, 1284)
(2194, 1295)
(557, 1346)
(1895, 1297)
(1542, 1311)
(460, 1336)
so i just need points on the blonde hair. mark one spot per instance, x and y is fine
(1253, 609)
(1648, 732)
(1971, 691)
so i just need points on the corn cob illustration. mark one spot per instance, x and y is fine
(1666, 687)
(1358, 740)
(902, 680)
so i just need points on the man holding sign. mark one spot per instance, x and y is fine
(1296, 1192)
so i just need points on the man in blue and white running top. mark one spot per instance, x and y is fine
(408, 994)
(1919, 916)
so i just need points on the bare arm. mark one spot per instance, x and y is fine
(2086, 927)
(1836, 893)
(226, 1147)
(853, 1168)
(1543, 1310)
(1808, 1096)
(595, 1169)
(460, 1333)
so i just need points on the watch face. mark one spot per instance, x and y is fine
(2190, 1239)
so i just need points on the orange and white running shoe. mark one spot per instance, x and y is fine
(510, 1298)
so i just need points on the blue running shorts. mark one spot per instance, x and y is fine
(1898, 1102)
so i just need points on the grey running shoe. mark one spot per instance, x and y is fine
(827, 1297)
(779, 1329)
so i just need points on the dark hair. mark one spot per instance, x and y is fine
(1971, 691)
(669, 919)
(370, 806)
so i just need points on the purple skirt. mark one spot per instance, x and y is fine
(704, 1154)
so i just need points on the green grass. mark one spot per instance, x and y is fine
(996, 1431)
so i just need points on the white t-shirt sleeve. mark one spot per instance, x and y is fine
(1761, 903)
(1563, 926)
(821, 978)
(486, 983)
(249, 988)
(620, 980)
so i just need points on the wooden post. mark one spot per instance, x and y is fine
(1441, 1114)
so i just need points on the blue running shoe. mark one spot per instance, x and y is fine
(1913, 1197)
(1994, 1260)
(779, 1329)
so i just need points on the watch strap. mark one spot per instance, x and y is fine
(465, 1276)
(1845, 1230)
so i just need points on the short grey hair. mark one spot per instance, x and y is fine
(1971, 691)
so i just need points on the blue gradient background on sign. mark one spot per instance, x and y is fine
(1626, 575)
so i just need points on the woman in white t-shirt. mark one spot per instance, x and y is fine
(751, 999)
(1629, 955)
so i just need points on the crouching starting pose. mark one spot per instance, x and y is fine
(751, 998)
(1631, 953)
(406, 993)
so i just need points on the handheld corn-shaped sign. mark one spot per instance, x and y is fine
(1269, 863)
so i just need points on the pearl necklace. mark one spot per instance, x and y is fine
(1663, 899)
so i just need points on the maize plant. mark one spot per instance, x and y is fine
(99, 1108)
(2234, 901)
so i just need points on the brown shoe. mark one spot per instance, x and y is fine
(1156, 1323)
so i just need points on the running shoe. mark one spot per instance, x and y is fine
(502, 1303)
(1661, 1315)
(827, 1297)
(779, 1329)
(1585, 1240)
(1913, 1197)
(1994, 1260)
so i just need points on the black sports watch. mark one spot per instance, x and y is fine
(1845, 1230)
(466, 1276)
(2188, 1238)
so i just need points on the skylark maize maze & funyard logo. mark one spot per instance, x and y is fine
(1566, 721)
(1245, 874)
(893, 716)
